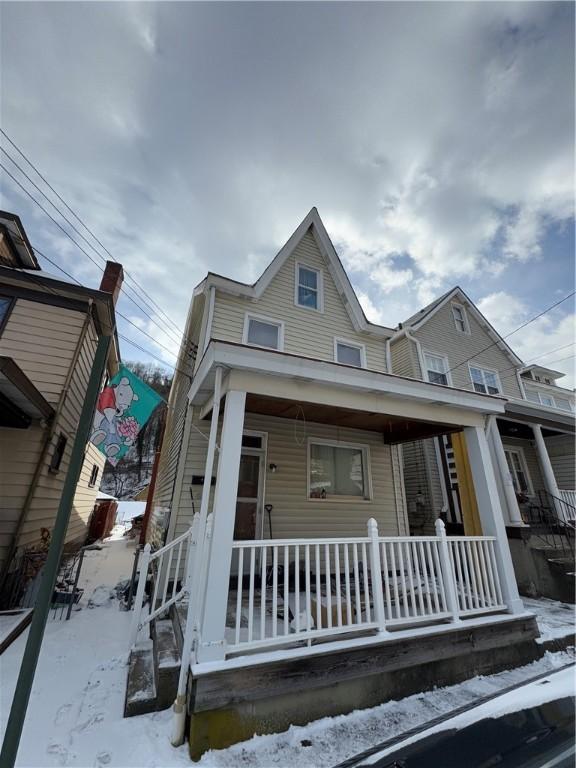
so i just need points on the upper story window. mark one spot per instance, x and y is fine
(436, 368)
(263, 332)
(308, 293)
(6, 304)
(460, 318)
(349, 353)
(485, 381)
(93, 475)
(338, 471)
(552, 402)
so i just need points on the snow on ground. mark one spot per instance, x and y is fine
(75, 713)
(129, 509)
(554, 619)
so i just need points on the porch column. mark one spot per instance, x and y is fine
(504, 471)
(213, 622)
(490, 513)
(545, 463)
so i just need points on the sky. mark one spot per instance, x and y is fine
(435, 139)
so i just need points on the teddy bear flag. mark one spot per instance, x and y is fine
(123, 408)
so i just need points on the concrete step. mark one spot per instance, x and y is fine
(166, 662)
(141, 684)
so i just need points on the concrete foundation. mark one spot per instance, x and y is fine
(229, 706)
(537, 573)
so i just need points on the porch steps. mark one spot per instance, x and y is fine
(154, 667)
(141, 685)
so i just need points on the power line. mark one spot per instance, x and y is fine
(83, 224)
(166, 330)
(494, 343)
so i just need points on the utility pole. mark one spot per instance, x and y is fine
(50, 571)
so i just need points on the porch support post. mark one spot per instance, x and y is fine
(211, 646)
(545, 463)
(447, 568)
(490, 513)
(376, 570)
(507, 484)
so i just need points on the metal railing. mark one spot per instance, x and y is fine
(567, 501)
(284, 591)
(169, 568)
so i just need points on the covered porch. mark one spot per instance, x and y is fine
(253, 589)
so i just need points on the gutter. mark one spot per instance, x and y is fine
(45, 447)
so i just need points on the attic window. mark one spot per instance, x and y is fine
(308, 288)
(460, 319)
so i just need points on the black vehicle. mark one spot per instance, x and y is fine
(537, 737)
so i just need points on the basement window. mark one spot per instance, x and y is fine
(58, 454)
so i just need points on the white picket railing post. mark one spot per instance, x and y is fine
(143, 575)
(376, 569)
(447, 571)
(202, 586)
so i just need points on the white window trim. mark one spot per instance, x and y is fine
(488, 370)
(264, 319)
(520, 451)
(545, 405)
(349, 343)
(446, 363)
(462, 308)
(320, 273)
(368, 472)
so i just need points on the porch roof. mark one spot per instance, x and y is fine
(527, 412)
(282, 384)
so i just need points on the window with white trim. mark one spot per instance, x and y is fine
(485, 380)
(308, 287)
(551, 402)
(563, 404)
(546, 400)
(348, 353)
(532, 396)
(338, 471)
(263, 332)
(436, 368)
(460, 318)
(518, 471)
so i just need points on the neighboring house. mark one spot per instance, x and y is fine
(49, 329)
(281, 486)
(450, 343)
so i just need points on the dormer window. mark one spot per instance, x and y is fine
(460, 318)
(308, 293)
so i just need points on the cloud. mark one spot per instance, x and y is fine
(548, 341)
(196, 136)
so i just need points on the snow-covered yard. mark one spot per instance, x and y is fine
(75, 714)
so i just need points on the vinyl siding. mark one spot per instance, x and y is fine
(172, 442)
(306, 332)
(561, 452)
(405, 358)
(549, 391)
(293, 515)
(42, 340)
(439, 335)
(85, 496)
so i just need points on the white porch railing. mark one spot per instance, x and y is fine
(170, 567)
(291, 590)
(569, 506)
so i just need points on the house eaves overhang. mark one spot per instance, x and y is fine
(20, 401)
(533, 413)
(334, 376)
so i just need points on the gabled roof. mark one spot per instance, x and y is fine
(312, 222)
(426, 314)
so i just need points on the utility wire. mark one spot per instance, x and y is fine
(165, 330)
(90, 232)
(507, 335)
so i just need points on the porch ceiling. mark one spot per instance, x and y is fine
(394, 429)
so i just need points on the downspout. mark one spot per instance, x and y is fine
(388, 355)
(44, 450)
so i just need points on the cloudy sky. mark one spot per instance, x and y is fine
(436, 140)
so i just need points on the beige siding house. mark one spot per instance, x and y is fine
(49, 331)
(283, 475)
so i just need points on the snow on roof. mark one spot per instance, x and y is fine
(103, 496)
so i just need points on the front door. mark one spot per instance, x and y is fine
(248, 503)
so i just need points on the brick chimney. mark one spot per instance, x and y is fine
(112, 279)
